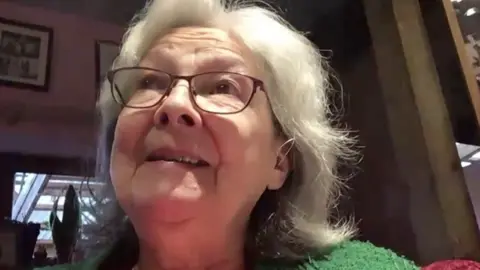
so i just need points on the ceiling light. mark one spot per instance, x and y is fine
(466, 150)
(471, 11)
(466, 164)
(475, 157)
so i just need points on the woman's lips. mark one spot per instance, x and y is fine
(177, 156)
(164, 162)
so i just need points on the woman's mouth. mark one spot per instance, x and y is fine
(179, 159)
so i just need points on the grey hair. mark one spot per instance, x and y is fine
(297, 86)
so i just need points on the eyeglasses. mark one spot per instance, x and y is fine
(214, 92)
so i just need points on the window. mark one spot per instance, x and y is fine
(34, 196)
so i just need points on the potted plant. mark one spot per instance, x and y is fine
(65, 232)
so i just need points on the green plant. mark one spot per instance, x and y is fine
(65, 232)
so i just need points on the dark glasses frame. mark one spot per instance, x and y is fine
(257, 85)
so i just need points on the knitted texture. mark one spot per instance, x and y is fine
(352, 255)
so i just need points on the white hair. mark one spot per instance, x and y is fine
(296, 84)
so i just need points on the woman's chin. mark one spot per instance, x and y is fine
(179, 205)
(168, 192)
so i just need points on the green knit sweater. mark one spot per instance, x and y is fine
(352, 255)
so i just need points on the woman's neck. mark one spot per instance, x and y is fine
(149, 262)
(192, 252)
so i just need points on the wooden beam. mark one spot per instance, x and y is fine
(48, 164)
(467, 68)
(7, 176)
(430, 177)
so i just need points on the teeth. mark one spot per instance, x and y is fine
(188, 160)
(184, 160)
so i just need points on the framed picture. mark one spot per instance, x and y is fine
(25, 55)
(105, 54)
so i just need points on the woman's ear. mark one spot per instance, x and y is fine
(283, 164)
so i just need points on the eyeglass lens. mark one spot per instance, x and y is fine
(218, 92)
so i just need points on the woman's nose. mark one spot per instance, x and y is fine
(177, 109)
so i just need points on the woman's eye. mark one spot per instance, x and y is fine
(153, 82)
(224, 87)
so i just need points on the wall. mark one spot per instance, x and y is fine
(472, 179)
(59, 122)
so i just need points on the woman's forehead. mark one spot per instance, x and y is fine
(193, 34)
(204, 44)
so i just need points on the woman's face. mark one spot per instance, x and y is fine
(153, 179)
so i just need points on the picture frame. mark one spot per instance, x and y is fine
(25, 55)
(105, 54)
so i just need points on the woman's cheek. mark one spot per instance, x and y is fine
(234, 135)
(127, 149)
(122, 167)
(132, 128)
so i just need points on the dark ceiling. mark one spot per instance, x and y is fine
(331, 24)
(328, 22)
(301, 13)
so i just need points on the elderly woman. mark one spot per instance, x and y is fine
(219, 149)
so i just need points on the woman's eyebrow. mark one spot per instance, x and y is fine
(205, 61)
(159, 59)
(220, 62)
